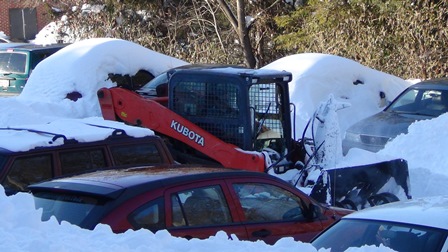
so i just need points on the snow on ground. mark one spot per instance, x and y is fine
(83, 67)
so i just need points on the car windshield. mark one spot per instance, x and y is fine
(400, 237)
(152, 85)
(65, 207)
(428, 102)
(12, 62)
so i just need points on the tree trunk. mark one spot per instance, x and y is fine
(240, 27)
(243, 34)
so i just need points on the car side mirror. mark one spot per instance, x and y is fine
(313, 212)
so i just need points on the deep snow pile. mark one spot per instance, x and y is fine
(315, 78)
(424, 148)
(82, 67)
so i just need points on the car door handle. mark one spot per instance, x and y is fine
(261, 233)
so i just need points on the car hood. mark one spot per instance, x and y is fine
(338, 212)
(147, 92)
(385, 124)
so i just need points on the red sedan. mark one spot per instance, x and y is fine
(190, 202)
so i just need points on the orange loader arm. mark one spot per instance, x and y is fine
(133, 109)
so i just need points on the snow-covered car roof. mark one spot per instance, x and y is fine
(27, 137)
(430, 212)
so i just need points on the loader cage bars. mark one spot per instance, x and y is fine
(249, 109)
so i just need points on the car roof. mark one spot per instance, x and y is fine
(439, 83)
(9, 45)
(35, 47)
(163, 77)
(112, 182)
(429, 211)
(30, 137)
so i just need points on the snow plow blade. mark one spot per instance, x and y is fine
(363, 186)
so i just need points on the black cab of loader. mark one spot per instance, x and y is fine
(245, 107)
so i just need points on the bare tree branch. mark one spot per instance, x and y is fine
(229, 14)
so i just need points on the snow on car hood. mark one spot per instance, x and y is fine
(429, 211)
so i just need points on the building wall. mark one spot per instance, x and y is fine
(43, 17)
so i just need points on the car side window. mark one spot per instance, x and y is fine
(81, 160)
(28, 170)
(149, 216)
(200, 207)
(265, 203)
(136, 154)
(435, 102)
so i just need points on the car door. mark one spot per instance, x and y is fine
(200, 210)
(273, 211)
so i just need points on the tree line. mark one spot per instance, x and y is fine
(403, 38)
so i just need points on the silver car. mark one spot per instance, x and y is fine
(414, 225)
(424, 100)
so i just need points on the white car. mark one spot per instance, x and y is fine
(414, 225)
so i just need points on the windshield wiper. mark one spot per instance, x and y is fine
(402, 112)
(411, 113)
